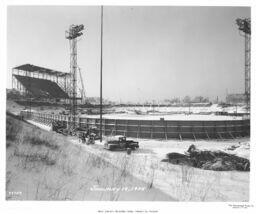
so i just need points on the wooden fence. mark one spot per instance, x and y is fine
(161, 129)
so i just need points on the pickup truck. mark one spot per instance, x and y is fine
(119, 142)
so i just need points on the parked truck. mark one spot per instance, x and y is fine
(119, 142)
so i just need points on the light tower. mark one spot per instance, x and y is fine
(72, 34)
(244, 26)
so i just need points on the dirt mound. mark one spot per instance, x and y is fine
(209, 160)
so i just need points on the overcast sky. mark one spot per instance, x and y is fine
(149, 53)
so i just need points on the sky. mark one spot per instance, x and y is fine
(149, 53)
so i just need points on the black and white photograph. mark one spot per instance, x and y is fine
(139, 103)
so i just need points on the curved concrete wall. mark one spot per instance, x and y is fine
(162, 129)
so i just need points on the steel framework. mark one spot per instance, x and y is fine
(82, 91)
(72, 34)
(244, 26)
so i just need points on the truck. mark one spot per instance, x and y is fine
(119, 142)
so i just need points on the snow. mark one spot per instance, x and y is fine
(179, 117)
(172, 113)
(192, 109)
(180, 182)
(145, 164)
(40, 125)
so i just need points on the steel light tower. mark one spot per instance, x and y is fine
(72, 34)
(244, 26)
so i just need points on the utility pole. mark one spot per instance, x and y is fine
(244, 26)
(101, 65)
(72, 34)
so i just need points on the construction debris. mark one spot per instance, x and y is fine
(209, 160)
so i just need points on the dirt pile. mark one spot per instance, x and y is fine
(209, 160)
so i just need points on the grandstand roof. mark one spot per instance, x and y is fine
(34, 68)
(42, 88)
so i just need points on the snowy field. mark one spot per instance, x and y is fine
(192, 109)
(149, 113)
(172, 113)
(182, 183)
(180, 117)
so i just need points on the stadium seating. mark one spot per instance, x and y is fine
(42, 88)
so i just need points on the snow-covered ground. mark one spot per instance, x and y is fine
(180, 182)
(41, 126)
(172, 113)
(161, 148)
(192, 109)
(196, 117)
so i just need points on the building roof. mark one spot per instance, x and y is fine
(34, 68)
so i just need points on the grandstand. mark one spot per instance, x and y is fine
(40, 82)
(41, 88)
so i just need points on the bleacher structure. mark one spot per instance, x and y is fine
(40, 82)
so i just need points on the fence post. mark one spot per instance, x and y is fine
(152, 129)
(165, 129)
(138, 129)
(126, 128)
(115, 127)
(179, 131)
(104, 125)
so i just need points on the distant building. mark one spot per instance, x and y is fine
(235, 98)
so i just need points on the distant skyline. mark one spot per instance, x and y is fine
(149, 53)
